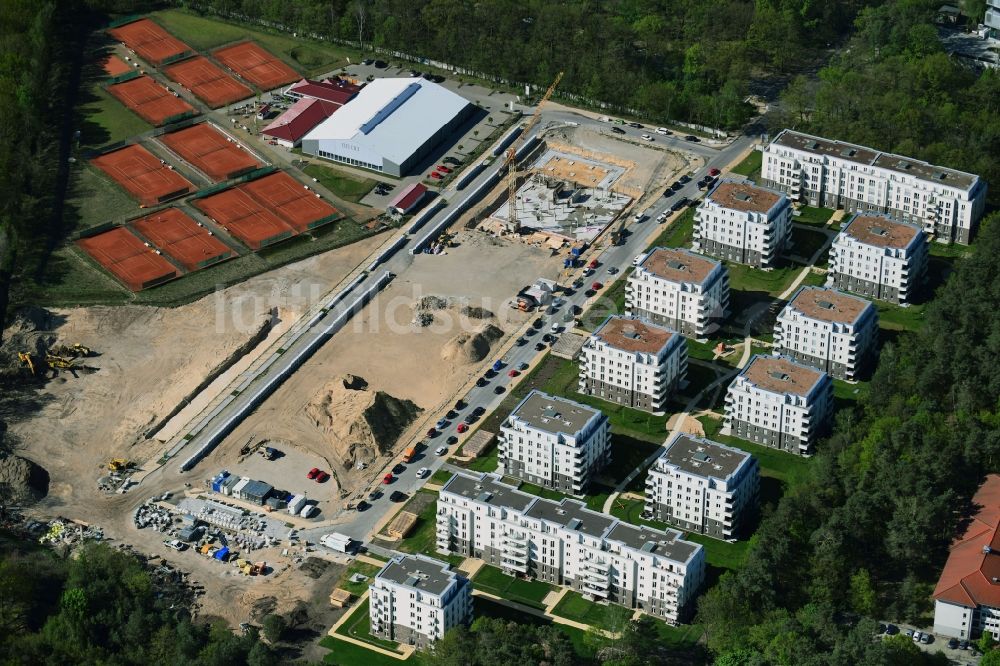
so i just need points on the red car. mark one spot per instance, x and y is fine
(713, 172)
(593, 264)
(462, 427)
(387, 479)
(596, 286)
(435, 175)
(443, 169)
(513, 373)
(322, 477)
(432, 432)
(312, 473)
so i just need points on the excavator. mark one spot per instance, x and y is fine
(119, 464)
(26, 359)
(60, 362)
(73, 351)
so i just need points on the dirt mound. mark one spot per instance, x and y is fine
(22, 481)
(474, 312)
(359, 424)
(471, 346)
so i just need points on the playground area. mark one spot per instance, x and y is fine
(256, 65)
(126, 257)
(211, 151)
(180, 237)
(149, 41)
(151, 101)
(267, 210)
(143, 175)
(207, 81)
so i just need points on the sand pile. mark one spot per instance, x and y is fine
(358, 423)
(22, 481)
(471, 346)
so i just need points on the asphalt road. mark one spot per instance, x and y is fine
(488, 397)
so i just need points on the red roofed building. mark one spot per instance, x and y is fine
(408, 199)
(289, 128)
(335, 91)
(967, 596)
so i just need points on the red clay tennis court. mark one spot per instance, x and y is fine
(128, 259)
(298, 206)
(142, 174)
(244, 217)
(115, 66)
(206, 80)
(150, 100)
(149, 41)
(177, 235)
(210, 151)
(256, 65)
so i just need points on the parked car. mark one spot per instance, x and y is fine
(713, 172)
(917, 636)
(440, 451)
(521, 341)
(661, 218)
(684, 179)
(362, 506)
(953, 643)
(617, 130)
(451, 440)
(398, 468)
(478, 411)
(513, 373)
(596, 286)
(443, 169)
(422, 472)
(646, 137)
(462, 427)
(692, 138)
(964, 645)
(397, 496)
(459, 405)
(611, 271)
(662, 130)
(522, 366)
(322, 477)
(381, 64)
(498, 389)
(374, 495)
(891, 630)
(367, 61)
(432, 432)
(175, 544)
(635, 125)
(387, 479)
(926, 639)
(311, 474)
(908, 633)
(435, 175)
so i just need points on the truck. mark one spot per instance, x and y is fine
(409, 454)
(295, 504)
(336, 541)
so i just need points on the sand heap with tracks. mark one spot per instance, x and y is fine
(471, 346)
(359, 424)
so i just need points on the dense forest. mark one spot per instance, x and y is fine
(102, 606)
(686, 60)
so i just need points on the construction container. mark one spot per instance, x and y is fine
(218, 480)
(276, 503)
(295, 504)
(309, 510)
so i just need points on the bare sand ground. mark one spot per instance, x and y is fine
(392, 354)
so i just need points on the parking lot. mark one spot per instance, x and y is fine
(931, 643)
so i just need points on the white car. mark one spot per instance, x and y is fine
(441, 450)
(646, 137)
(661, 217)
(422, 472)
(175, 544)
(662, 130)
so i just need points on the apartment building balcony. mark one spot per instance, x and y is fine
(597, 590)
(511, 564)
(597, 566)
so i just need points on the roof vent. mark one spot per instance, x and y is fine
(848, 152)
(484, 497)
(574, 524)
(812, 145)
(411, 581)
(648, 547)
(550, 413)
(939, 175)
(779, 375)
(561, 512)
(701, 456)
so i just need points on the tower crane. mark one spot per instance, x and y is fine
(512, 154)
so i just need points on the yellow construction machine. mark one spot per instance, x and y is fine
(73, 351)
(119, 464)
(60, 362)
(26, 359)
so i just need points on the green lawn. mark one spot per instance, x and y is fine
(528, 592)
(105, 120)
(541, 491)
(485, 607)
(813, 216)
(679, 233)
(574, 607)
(423, 537)
(628, 453)
(362, 568)
(630, 510)
(813, 279)
(358, 626)
(774, 281)
(441, 477)
(685, 636)
(719, 553)
(898, 318)
(487, 463)
(845, 393)
(343, 185)
(95, 199)
(204, 34)
(750, 166)
(594, 498)
(343, 653)
(805, 242)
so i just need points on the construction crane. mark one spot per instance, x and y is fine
(512, 153)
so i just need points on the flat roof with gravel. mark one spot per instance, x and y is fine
(632, 334)
(571, 514)
(703, 457)
(489, 490)
(745, 197)
(679, 265)
(419, 572)
(829, 305)
(880, 231)
(667, 544)
(781, 375)
(553, 414)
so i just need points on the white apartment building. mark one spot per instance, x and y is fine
(680, 289)
(945, 203)
(992, 18)
(554, 442)
(633, 363)
(879, 258)
(415, 599)
(741, 222)
(566, 543)
(779, 403)
(703, 486)
(829, 330)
